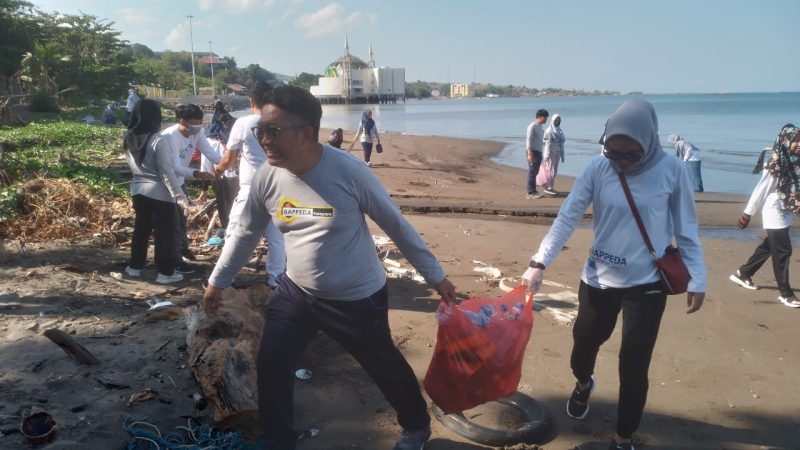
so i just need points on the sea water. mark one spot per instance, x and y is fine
(730, 129)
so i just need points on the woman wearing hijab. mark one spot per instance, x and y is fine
(778, 195)
(620, 273)
(689, 154)
(155, 191)
(369, 133)
(553, 153)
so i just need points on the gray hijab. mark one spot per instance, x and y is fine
(637, 120)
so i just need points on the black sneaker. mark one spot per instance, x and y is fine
(614, 446)
(578, 403)
(187, 254)
(184, 268)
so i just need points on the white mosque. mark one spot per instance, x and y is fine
(350, 80)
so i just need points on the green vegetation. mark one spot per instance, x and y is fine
(75, 151)
(80, 59)
(305, 80)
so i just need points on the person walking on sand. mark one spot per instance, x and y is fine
(369, 134)
(689, 154)
(243, 146)
(620, 273)
(778, 195)
(334, 282)
(534, 142)
(155, 191)
(553, 154)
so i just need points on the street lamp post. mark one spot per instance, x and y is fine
(191, 42)
(211, 57)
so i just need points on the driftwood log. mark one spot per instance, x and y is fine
(72, 347)
(223, 351)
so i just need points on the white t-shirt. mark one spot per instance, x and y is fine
(184, 148)
(244, 141)
(206, 165)
(765, 196)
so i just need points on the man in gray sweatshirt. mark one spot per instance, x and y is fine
(334, 282)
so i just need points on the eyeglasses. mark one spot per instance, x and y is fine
(260, 132)
(615, 155)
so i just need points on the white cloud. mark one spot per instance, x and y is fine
(130, 20)
(178, 38)
(236, 5)
(328, 21)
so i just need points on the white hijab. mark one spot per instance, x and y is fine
(636, 119)
(554, 131)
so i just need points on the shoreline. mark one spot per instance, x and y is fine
(469, 181)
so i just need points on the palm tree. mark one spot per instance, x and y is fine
(39, 66)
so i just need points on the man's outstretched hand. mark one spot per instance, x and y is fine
(447, 290)
(212, 299)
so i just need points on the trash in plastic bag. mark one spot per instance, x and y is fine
(479, 350)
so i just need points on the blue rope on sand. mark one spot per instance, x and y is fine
(147, 436)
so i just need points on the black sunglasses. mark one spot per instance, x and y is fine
(615, 155)
(262, 131)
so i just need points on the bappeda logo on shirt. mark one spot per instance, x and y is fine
(290, 210)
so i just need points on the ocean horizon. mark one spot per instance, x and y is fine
(730, 129)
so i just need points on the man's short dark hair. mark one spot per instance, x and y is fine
(299, 103)
(259, 93)
(542, 113)
(188, 111)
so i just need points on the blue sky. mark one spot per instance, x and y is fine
(653, 46)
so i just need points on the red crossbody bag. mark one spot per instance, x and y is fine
(674, 275)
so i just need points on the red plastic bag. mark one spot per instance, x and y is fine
(479, 349)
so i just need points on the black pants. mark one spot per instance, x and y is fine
(367, 147)
(533, 170)
(360, 326)
(159, 217)
(778, 245)
(181, 230)
(642, 308)
(226, 188)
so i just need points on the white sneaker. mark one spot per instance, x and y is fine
(167, 279)
(790, 301)
(133, 272)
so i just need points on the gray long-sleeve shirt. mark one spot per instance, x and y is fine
(330, 252)
(534, 137)
(155, 176)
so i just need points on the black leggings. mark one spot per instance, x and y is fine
(777, 245)
(159, 217)
(367, 147)
(642, 308)
(360, 326)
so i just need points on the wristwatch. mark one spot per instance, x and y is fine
(537, 265)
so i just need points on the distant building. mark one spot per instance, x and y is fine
(349, 79)
(458, 90)
(236, 89)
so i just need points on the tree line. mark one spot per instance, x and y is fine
(75, 58)
(427, 89)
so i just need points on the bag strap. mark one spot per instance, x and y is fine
(636, 215)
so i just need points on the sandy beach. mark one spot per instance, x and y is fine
(720, 378)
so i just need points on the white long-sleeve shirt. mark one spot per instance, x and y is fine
(765, 196)
(184, 148)
(619, 257)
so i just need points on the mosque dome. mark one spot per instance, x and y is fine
(337, 66)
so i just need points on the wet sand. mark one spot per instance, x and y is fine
(720, 378)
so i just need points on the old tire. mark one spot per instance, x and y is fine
(535, 430)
